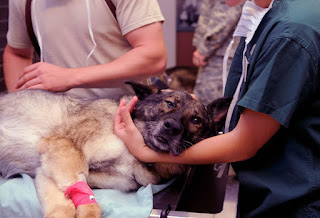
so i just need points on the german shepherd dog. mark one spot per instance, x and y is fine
(61, 141)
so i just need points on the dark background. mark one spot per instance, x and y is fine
(3, 40)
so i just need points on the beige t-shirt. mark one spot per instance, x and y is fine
(65, 37)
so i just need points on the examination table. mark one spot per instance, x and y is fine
(204, 191)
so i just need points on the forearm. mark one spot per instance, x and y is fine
(13, 65)
(147, 58)
(252, 132)
(138, 64)
(218, 149)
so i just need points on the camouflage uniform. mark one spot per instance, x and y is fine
(213, 33)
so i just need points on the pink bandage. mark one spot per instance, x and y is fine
(80, 193)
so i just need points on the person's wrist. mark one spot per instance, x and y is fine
(136, 150)
(75, 80)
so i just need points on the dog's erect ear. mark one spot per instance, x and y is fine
(218, 110)
(141, 90)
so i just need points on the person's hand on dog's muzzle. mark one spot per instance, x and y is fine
(125, 129)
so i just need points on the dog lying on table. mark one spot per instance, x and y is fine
(68, 143)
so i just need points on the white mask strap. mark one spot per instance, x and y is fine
(225, 64)
(90, 32)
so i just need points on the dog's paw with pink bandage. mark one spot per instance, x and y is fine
(83, 199)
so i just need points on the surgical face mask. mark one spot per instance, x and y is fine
(250, 19)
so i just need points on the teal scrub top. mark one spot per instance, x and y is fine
(283, 178)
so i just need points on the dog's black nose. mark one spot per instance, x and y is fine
(172, 127)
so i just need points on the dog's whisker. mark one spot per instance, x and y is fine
(187, 143)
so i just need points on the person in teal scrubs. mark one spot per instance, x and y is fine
(273, 141)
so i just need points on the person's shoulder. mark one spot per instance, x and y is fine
(295, 23)
(295, 19)
(134, 14)
(303, 14)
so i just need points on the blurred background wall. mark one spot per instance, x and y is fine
(3, 41)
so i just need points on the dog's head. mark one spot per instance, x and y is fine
(173, 121)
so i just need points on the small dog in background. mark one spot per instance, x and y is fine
(182, 78)
(61, 141)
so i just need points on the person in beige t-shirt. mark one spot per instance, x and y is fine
(86, 51)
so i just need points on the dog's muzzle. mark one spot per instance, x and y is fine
(172, 127)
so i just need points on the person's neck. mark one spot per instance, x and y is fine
(263, 3)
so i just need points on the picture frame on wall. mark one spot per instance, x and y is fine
(187, 15)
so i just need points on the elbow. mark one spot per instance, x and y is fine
(159, 64)
(246, 154)
(155, 59)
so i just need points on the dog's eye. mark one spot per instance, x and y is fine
(170, 104)
(196, 120)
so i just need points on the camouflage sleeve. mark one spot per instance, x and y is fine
(216, 23)
(205, 8)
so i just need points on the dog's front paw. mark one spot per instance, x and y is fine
(89, 211)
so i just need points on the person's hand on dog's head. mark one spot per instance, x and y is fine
(125, 129)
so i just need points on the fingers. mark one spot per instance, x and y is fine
(132, 104)
(25, 78)
(29, 77)
(198, 59)
(195, 61)
(117, 117)
(194, 97)
(45, 76)
(123, 103)
(126, 117)
(202, 63)
(124, 110)
(33, 83)
(166, 90)
(31, 67)
(122, 118)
